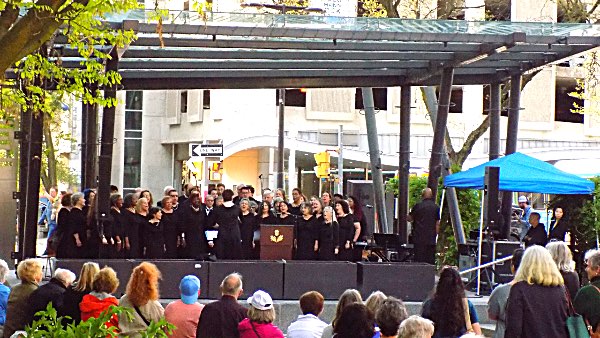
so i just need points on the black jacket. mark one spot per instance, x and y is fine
(53, 292)
(536, 236)
(220, 319)
(192, 223)
(70, 307)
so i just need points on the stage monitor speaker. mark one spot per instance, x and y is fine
(331, 279)
(406, 281)
(263, 275)
(173, 271)
(122, 267)
(363, 190)
(491, 207)
(496, 250)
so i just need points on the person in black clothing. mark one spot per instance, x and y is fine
(74, 293)
(265, 216)
(192, 222)
(536, 235)
(170, 227)
(131, 228)
(284, 217)
(185, 193)
(248, 225)
(52, 292)
(297, 200)
(347, 230)
(221, 318)
(118, 233)
(228, 244)
(306, 234)
(425, 218)
(558, 226)
(209, 207)
(77, 232)
(63, 234)
(154, 242)
(142, 207)
(92, 242)
(356, 210)
(328, 236)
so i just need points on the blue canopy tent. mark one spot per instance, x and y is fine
(519, 172)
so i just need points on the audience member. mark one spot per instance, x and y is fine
(4, 292)
(449, 308)
(536, 235)
(416, 327)
(261, 315)
(537, 304)
(587, 300)
(499, 297)
(391, 312)
(101, 298)
(50, 293)
(308, 324)
(141, 295)
(356, 321)
(74, 294)
(375, 300)
(562, 256)
(184, 313)
(30, 273)
(221, 318)
(349, 296)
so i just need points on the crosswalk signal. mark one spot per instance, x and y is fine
(322, 168)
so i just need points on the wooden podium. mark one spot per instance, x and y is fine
(276, 242)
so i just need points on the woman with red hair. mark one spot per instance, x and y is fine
(141, 295)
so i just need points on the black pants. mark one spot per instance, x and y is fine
(425, 253)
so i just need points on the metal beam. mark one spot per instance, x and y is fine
(437, 148)
(375, 158)
(273, 73)
(404, 164)
(23, 170)
(280, 139)
(494, 112)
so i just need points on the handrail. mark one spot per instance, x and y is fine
(483, 266)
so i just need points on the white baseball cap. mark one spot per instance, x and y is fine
(522, 199)
(261, 300)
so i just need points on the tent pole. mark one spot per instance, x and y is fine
(479, 245)
(442, 201)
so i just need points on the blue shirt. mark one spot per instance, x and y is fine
(4, 291)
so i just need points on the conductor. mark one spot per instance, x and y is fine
(425, 218)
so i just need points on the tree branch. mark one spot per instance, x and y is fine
(9, 15)
(594, 7)
(467, 147)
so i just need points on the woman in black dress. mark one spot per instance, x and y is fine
(169, 225)
(328, 236)
(297, 200)
(228, 244)
(154, 243)
(317, 207)
(346, 234)
(558, 225)
(92, 235)
(148, 196)
(62, 228)
(249, 224)
(115, 240)
(306, 234)
(77, 222)
(141, 212)
(265, 216)
(284, 217)
(356, 210)
(131, 226)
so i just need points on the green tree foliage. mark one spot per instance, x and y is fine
(49, 325)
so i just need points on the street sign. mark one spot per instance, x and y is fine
(206, 149)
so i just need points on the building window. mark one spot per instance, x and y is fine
(565, 103)
(293, 97)
(132, 166)
(456, 99)
(379, 97)
(183, 102)
(206, 99)
(486, 102)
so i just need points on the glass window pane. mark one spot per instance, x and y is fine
(134, 99)
(133, 134)
(132, 163)
(133, 120)
(183, 102)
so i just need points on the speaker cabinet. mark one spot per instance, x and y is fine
(407, 281)
(297, 278)
(264, 275)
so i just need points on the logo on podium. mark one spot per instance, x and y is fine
(276, 237)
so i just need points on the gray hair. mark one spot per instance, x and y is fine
(561, 254)
(3, 270)
(247, 200)
(65, 276)
(76, 197)
(415, 327)
(594, 260)
(232, 284)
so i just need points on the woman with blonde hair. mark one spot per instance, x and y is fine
(350, 296)
(537, 304)
(141, 295)
(75, 293)
(562, 256)
(416, 327)
(261, 315)
(29, 272)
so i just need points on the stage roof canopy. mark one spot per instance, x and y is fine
(519, 172)
(242, 50)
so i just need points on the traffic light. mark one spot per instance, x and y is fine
(322, 168)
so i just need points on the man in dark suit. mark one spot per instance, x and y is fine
(425, 218)
(221, 318)
(192, 217)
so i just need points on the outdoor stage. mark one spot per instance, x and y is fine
(283, 280)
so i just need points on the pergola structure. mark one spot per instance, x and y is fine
(241, 50)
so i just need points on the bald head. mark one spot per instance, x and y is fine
(232, 285)
(427, 193)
